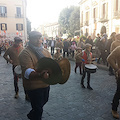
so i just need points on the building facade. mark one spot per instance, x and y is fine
(99, 16)
(51, 29)
(13, 19)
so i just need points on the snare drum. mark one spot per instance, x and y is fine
(18, 71)
(90, 68)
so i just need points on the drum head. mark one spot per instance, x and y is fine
(18, 70)
(90, 66)
(55, 73)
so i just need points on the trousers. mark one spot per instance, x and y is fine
(38, 99)
(15, 80)
(88, 77)
(116, 97)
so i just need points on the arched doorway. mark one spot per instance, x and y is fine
(103, 30)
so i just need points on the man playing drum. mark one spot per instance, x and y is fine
(11, 55)
(38, 91)
(87, 56)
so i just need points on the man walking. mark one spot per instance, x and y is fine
(11, 56)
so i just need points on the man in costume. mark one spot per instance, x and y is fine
(114, 60)
(87, 58)
(11, 56)
(37, 90)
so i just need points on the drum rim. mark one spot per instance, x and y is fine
(87, 66)
(18, 66)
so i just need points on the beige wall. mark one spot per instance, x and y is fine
(109, 21)
(11, 19)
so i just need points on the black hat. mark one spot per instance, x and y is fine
(34, 34)
(17, 40)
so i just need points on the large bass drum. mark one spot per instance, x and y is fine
(90, 68)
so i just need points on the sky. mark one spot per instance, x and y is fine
(40, 12)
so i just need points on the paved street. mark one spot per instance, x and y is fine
(66, 102)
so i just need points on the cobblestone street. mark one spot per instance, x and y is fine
(66, 102)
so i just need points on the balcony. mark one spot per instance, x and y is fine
(18, 16)
(104, 18)
(3, 14)
(116, 15)
(86, 23)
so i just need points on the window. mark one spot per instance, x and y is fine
(87, 16)
(104, 13)
(19, 27)
(116, 5)
(18, 11)
(3, 26)
(104, 9)
(3, 11)
(82, 17)
(94, 13)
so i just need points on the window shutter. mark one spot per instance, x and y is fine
(16, 26)
(21, 26)
(0, 9)
(5, 9)
(1, 26)
(5, 26)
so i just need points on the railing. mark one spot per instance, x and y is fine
(104, 18)
(3, 14)
(18, 16)
(116, 14)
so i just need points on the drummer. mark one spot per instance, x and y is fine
(37, 90)
(87, 58)
(11, 56)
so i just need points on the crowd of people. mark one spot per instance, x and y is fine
(5, 44)
(101, 47)
(84, 52)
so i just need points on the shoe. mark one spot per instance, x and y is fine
(90, 88)
(29, 116)
(27, 98)
(111, 73)
(82, 85)
(16, 96)
(115, 114)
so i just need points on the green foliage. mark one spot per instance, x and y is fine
(28, 25)
(74, 21)
(69, 20)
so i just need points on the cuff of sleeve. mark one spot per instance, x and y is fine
(27, 72)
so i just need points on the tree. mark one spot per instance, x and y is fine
(74, 21)
(28, 26)
(64, 19)
(69, 20)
